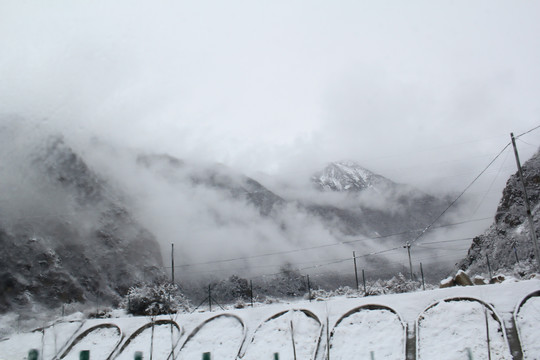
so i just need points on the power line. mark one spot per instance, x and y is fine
(443, 241)
(528, 131)
(324, 246)
(460, 195)
(430, 226)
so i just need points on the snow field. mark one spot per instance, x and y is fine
(100, 340)
(287, 333)
(222, 336)
(155, 340)
(527, 320)
(451, 328)
(365, 330)
(48, 342)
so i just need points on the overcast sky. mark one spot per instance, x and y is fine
(422, 92)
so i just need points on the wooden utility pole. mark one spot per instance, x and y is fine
(172, 263)
(408, 246)
(528, 206)
(423, 282)
(309, 289)
(355, 269)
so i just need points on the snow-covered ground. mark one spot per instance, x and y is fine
(528, 320)
(293, 335)
(456, 329)
(222, 336)
(369, 331)
(364, 325)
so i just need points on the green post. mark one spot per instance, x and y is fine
(84, 355)
(372, 354)
(469, 354)
(138, 355)
(206, 356)
(276, 356)
(33, 354)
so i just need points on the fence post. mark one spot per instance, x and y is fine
(210, 298)
(138, 355)
(364, 281)
(251, 291)
(206, 356)
(84, 355)
(489, 267)
(276, 356)
(372, 354)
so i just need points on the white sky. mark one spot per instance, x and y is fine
(422, 92)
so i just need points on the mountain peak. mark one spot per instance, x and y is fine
(346, 176)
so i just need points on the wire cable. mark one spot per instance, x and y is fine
(460, 195)
(528, 131)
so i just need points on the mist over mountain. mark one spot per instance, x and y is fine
(86, 222)
(507, 244)
(65, 236)
(375, 205)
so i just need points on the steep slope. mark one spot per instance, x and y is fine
(217, 177)
(72, 240)
(507, 243)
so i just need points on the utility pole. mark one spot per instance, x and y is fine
(408, 246)
(355, 269)
(528, 206)
(309, 288)
(172, 263)
(423, 282)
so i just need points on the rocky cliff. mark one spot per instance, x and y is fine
(507, 243)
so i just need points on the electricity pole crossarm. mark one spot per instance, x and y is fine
(528, 206)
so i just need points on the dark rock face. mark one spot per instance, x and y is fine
(96, 250)
(507, 243)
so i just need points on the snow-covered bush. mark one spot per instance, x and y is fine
(320, 294)
(288, 283)
(155, 299)
(232, 289)
(396, 285)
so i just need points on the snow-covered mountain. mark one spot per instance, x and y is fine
(507, 243)
(73, 230)
(347, 176)
(65, 234)
(216, 176)
(374, 204)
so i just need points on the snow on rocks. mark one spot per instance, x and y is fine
(370, 329)
(293, 334)
(454, 328)
(527, 320)
(221, 335)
